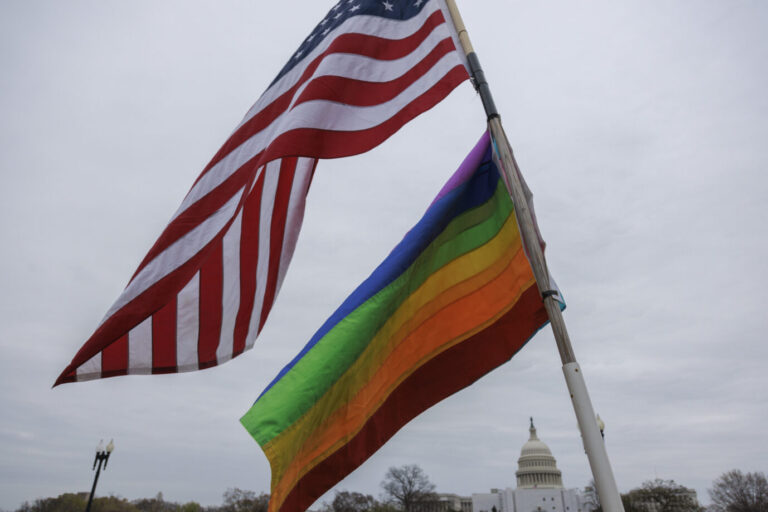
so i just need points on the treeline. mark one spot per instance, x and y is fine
(403, 487)
(235, 500)
(408, 489)
(733, 491)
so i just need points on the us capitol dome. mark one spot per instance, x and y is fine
(537, 467)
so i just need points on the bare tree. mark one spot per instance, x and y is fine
(346, 501)
(156, 504)
(663, 496)
(591, 498)
(407, 486)
(76, 503)
(65, 503)
(736, 492)
(238, 500)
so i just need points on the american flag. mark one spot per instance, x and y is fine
(203, 292)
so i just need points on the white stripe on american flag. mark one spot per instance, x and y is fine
(140, 348)
(295, 215)
(188, 322)
(196, 267)
(91, 369)
(231, 289)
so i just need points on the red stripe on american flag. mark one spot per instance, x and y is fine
(164, 339)
(277, 232)
(249, 257)
(364, 94)
(335, 144)
(114, 358)
(211, 282)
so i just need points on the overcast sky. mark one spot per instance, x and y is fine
(641, 127)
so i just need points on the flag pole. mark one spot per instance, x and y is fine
(594, 444)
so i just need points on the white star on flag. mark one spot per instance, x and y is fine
(388, 6)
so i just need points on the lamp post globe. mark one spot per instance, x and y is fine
(102, 456)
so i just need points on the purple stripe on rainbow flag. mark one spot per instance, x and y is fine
(466, 169)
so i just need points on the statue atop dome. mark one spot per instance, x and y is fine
(532, 430)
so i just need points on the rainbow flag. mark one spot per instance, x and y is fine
(454, 300)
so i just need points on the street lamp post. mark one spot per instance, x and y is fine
(102, 455)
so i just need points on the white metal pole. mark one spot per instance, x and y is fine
(594, 445)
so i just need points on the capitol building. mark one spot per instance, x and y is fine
(539, 487)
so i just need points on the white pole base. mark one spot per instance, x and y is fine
(594, 444)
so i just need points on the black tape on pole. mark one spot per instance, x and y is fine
(481, 86)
